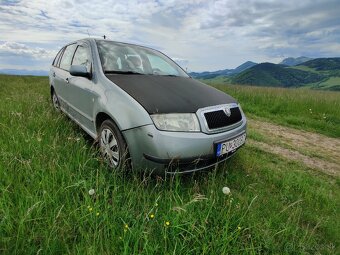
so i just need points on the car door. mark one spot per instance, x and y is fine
(81, 89)
(62, 75)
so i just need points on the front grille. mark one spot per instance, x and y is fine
(219, 119)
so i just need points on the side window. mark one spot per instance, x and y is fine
(59, 58)
(55, 61)
(82, 57)
(65, 62)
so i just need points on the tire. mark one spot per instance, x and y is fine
(113, 146)
(55, 101)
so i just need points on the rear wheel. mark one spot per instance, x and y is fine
(113, 146)
(55, 101)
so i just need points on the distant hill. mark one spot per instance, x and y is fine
(294, 61)
(224, 72)
(24, 72)
(323, 64)
(268, 74)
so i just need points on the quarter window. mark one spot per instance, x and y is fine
(66, 60)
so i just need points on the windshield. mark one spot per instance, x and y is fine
(132, 59)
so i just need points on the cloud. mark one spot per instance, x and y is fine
(14, 48)
(207, 35)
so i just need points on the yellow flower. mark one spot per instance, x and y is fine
(152, 216)
(239, 228)
(97, 214)
(126, 226)
(156, 204)
(90, 209)
(167, 223)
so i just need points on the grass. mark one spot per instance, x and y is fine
(310, 110)
(48, 166)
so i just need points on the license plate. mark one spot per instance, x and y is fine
(231, 145)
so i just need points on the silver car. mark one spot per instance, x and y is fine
(144, 110)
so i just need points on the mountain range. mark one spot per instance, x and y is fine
(318, 73)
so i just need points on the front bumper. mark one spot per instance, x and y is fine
(176, 152)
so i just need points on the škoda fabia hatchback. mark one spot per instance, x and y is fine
(143, 109)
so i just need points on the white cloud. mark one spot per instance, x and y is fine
(208, 35)
(23, 50)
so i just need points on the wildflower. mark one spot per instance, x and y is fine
(239, 228)
(152, 216)
(126, 226)
(91, 192)
(226, 190)
(90, 209)
(156, 204)
(167, 223)
(97, 214)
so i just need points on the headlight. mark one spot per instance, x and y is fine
(176, 122)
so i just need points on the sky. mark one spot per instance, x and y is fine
(200, 35)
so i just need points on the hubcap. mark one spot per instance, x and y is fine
(55, 101)
(109, 147)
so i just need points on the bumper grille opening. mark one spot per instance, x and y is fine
(219, 119)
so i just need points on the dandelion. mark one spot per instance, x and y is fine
(226, 190)
(126, 226)
(239, 228)
(152, 216)
(90, 209)
(156, 204)
(91, 192)
(167, 223)
(97, 214)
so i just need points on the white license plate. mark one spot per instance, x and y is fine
(231, 145)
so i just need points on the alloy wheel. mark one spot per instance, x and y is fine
(109, 147)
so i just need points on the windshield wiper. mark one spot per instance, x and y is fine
(122, 72)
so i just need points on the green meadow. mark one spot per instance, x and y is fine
(48, 166)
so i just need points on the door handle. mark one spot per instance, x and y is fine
(53, 74)
(67, 80)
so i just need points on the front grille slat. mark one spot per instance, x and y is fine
(219, 119)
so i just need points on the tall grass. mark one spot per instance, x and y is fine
(307, 109)
(48, 166)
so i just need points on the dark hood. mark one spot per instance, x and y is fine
(166, 94)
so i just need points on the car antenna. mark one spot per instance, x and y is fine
(104, 36)
(88, 33)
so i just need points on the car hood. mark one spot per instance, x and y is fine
(167, 94)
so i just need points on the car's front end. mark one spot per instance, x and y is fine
(189, 150)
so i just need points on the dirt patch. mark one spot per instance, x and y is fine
(299, 145)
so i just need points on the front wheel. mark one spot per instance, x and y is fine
(113, 146)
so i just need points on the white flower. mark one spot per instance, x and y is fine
(91, 192)
(226, 190)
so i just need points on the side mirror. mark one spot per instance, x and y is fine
(79, 70)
